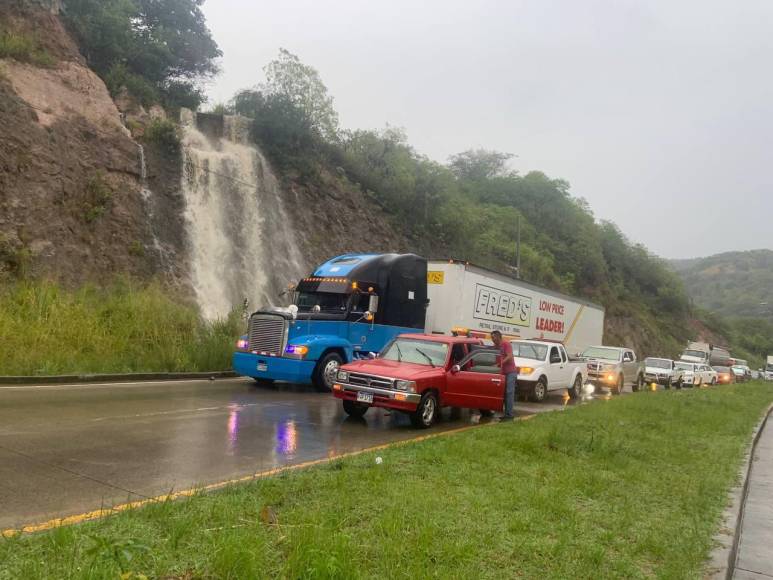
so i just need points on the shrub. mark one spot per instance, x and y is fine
(24, 48)
(97, 197)
(164, 133)
(119, 77)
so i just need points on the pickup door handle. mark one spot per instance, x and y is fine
(496, 381)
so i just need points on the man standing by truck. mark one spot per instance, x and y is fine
(510, 371)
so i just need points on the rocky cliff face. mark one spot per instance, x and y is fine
(82, 201)
(69, 192)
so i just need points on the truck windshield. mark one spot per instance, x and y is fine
(599, 352)
(684, 366)
(327, 301)
(659, 363)
(695, 353)
(530, 350)
(422, 352)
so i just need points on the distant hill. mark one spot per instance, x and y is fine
(736, 284)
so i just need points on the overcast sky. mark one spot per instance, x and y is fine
(659, 113)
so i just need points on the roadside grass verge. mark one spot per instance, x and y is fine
(123, 327)
(628, 488)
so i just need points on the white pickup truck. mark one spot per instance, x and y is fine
(545, 366)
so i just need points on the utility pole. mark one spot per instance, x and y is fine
(518, 249)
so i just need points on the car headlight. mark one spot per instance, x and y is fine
(296, 351)
(343, 376)
(409, 386)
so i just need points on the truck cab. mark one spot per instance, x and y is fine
(348, 308)
(419, 373)
(545, 366)
(614, 367)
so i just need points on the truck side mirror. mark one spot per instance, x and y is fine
(455, 369)
(373, 303)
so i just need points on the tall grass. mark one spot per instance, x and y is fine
(124, 327)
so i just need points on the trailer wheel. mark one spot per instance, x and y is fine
(326, 371)
(539, 391)
(576, 391)
(425, 413)
(354, 409)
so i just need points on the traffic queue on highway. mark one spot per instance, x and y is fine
(401, 332)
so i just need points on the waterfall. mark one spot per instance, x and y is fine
(242, 245)
(165, 256)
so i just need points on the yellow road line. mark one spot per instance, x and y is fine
(105, 512)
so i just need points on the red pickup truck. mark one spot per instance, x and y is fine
(419, 373)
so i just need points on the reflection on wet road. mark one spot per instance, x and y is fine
(69, 449)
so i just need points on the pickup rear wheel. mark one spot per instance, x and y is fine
(425, 413)
(638, 384)
(576, 391)
(353, 409)
(326, 371)
(540, 390)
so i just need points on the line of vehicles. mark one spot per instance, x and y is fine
(411, 334)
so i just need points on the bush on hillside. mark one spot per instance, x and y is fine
(164, 133)
(24, 48)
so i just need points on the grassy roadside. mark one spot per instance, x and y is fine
(123, 327)
(632, 487)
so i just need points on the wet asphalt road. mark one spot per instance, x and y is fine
(74, 448)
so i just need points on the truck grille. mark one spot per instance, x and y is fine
(370, 381)
(267, 334)
(594, 366)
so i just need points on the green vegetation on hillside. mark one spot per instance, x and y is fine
(469, 208)
(24, 48)
(630, 488)
(734, 294)
(157, 49)
(124, 327)
(731, 284)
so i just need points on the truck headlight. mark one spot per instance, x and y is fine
(343, 376)
(243, 343)
(296, 351)
(409, 386)
(525, 371)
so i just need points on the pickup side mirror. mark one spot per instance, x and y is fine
(455, 369)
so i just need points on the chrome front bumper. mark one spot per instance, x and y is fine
(406, 397)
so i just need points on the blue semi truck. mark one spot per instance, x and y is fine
(348, 308)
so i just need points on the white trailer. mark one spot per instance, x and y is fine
(463, 296)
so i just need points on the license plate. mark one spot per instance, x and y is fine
(364, 397)
(262, 367)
